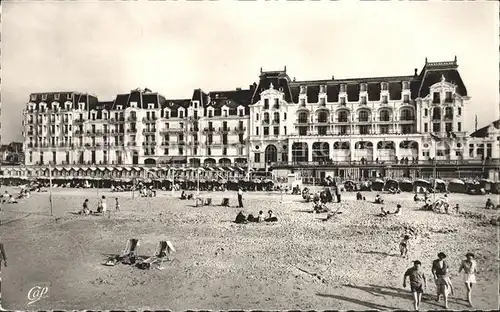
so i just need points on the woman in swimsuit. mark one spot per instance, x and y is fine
(469, 267)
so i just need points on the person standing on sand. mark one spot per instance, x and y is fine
(117, 204)
(240, 198)
(441, 278)
(3, 257)
(417, 282)
(469, 266)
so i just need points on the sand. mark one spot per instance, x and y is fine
(301, 262)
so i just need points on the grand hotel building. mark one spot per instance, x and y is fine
(277, 120)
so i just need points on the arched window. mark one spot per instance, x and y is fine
(343, 116)
(448, 112)
(271, 154)
(363, 115)
(300, 151)
(303, 117)
(407, 114)
(323, 116)
(436, 113)
(385, 115)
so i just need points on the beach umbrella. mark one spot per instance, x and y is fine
(457, 186)
(457, 181)
(268, 181)
(377, 185)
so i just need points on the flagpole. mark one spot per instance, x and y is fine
(50, 190)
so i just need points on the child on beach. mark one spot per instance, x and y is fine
(404, 246)
(117, 204)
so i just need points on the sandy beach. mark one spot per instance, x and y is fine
(300, 262)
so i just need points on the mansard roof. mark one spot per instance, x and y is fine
(483, 132)
(176, 104)
(141, 97)
(280, 81)
(432, 73)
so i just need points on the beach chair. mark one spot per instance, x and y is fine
(162, 250)
(208, 202)
(225, 202)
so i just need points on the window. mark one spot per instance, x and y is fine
(266, 103)
(303, 102)
(266, 130)
(284, 130)
(342, 88)
(240, 151)
(342, 100)
(436, 113)
(44, 97)
(384, 99)
(407, 129)
(436, 127)
(181, 151)
(276, 103)
(209, 151)
(364, 129)
(363, 100)
(33, 97)
(224, 138)
(181, 137)
(257, 117)
(406, 85)
(459, 111)
(224, 151)
(210, 113)
(449, 127)
(384, 86)
(385, 115)
(276, 117)
(436, 98)
(276, 130)
(240, 138)
(459, 126)
(406, 98)
(302, 130)
(426, 112)
(256, 130)
(384, 129)
(448, 97)
(342, 116)
(426, 127)
(363, 87)
(257, 158)
(31, 156)
(363, 115)
(322, 101)
(322, 130)
(284, 116)
(181, 114)
(54, 157)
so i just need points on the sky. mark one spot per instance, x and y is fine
(107, 48)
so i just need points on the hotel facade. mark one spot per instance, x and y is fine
(278, 120)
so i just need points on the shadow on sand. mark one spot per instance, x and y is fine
(304, 210)
(380, 253)
(357, 301)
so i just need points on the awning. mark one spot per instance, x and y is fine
(93, 168)
(128, 168)
(102, 168)
(230, 169)
(67, 168)
(241, 169)
(457, 181)
(211, 169)
(378, 181)
(221, 169)
(119, 168)
(75, 168)
(137, 169)
(110, 168)
(154, 169)
(439, 181)
(59, 169)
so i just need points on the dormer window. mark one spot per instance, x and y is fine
(104, 115)
(266, 103)
(210, 113)
(342, 88)
(44, 97)
(302, 89)
(94, 114)
(342, 100)
(224, 112)
(33, 97)
(151, 106)
(119, 107)
(321, 89)
(69, 96)
(406, 98)
(448, 97)
(384, 99)
(68, 106)
(241, 112)
(384, 86)
(56, 96)
(167, 114)
(133, 104)
(303, 102)
(181, 114)
(436, 98)
(363, 87)
(322, 101)
(406, 85)
(363, 100)
(81, 106)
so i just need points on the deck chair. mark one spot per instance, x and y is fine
(225, 202)
(162, 250)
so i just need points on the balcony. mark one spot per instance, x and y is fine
(303, 122)
(448, 100)
(131, 130)
(276, 122)
(149, 120)
(448, 117)
(224, 130)
(132, 118)
(149, 143)
(148, 130)
(31, 132)
(181, 142)
(194, 130)
(132, 143)
(265, 121)
(383, 119)
(78, 121)
(164, 143)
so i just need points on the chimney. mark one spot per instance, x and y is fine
(416, 70)
(333, 77)
(238, 89)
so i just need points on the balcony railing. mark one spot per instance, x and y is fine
(131, 130)
(384, 119)
(265, 121)
(148, 130)
(132, 118)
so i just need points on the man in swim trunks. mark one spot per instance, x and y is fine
(417, 282)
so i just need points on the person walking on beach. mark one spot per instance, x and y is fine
(240, 198)
(417, 282)
(404, 246)
(469, 266)
(3, 257)
(117, 204)
(441, 278)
